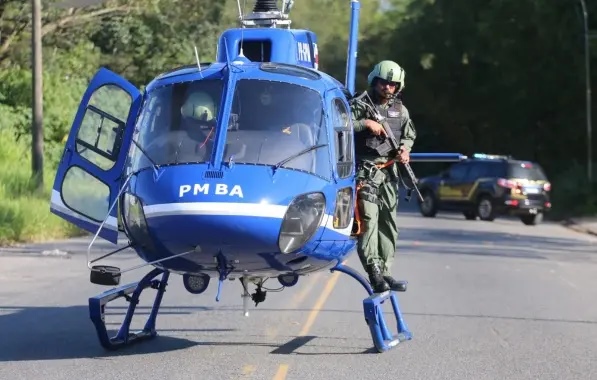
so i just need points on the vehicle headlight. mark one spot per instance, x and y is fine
(134, 221)
(301, 220)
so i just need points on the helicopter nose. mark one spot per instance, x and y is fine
(247, 214)
(239, 227)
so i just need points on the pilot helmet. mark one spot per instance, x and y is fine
(388, 71)
(199, 106)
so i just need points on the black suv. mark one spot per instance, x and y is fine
(486, 186)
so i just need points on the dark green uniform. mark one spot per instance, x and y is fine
(378, 198)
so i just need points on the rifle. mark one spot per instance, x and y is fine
(390, 144)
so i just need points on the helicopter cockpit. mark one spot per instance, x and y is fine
(269, 122)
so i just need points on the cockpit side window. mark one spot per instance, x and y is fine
(343, 138)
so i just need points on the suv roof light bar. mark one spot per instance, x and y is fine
(485, 156)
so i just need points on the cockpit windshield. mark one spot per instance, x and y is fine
(271, 123)
(177, 124)
(276, 122)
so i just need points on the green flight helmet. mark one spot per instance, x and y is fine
(390, 71)
(199, 106)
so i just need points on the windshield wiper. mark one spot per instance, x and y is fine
(153, 163)
(306, 150)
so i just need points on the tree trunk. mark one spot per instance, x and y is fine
(37, 132)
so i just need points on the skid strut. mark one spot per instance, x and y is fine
(383, 339)
(124, 337)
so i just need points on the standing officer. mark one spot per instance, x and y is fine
(377, 176)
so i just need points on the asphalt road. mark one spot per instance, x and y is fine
(486, 300)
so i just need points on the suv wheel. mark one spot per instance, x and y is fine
(485, 209)
(531, 220)
(428, 207)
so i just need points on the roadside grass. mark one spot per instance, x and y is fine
(24, 213)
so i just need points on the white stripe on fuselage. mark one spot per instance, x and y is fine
(216, 208)
(232, 209)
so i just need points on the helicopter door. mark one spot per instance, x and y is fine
(88, 177)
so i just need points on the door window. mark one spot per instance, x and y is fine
(99, 137)
(343, 138)
(85, 194)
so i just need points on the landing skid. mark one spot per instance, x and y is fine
(383, 339)
(124, 337)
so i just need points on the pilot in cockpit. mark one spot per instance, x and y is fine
(198, 122)
(198, 111)
(261, 112)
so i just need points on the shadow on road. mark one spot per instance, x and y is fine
(51, 333)
(54, 333)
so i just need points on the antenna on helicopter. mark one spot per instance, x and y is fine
(266, 14)
(287, 6)
(240, 17)
(198, 62)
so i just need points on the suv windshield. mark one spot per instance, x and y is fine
(526, 170)
(176, 124)
(275, 121)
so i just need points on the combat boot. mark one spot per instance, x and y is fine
(376, 279)
(395, 285)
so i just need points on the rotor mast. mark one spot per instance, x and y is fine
(266, 14)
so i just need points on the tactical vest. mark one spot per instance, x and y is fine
(365, 139)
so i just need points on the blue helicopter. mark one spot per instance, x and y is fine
(240, 168)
